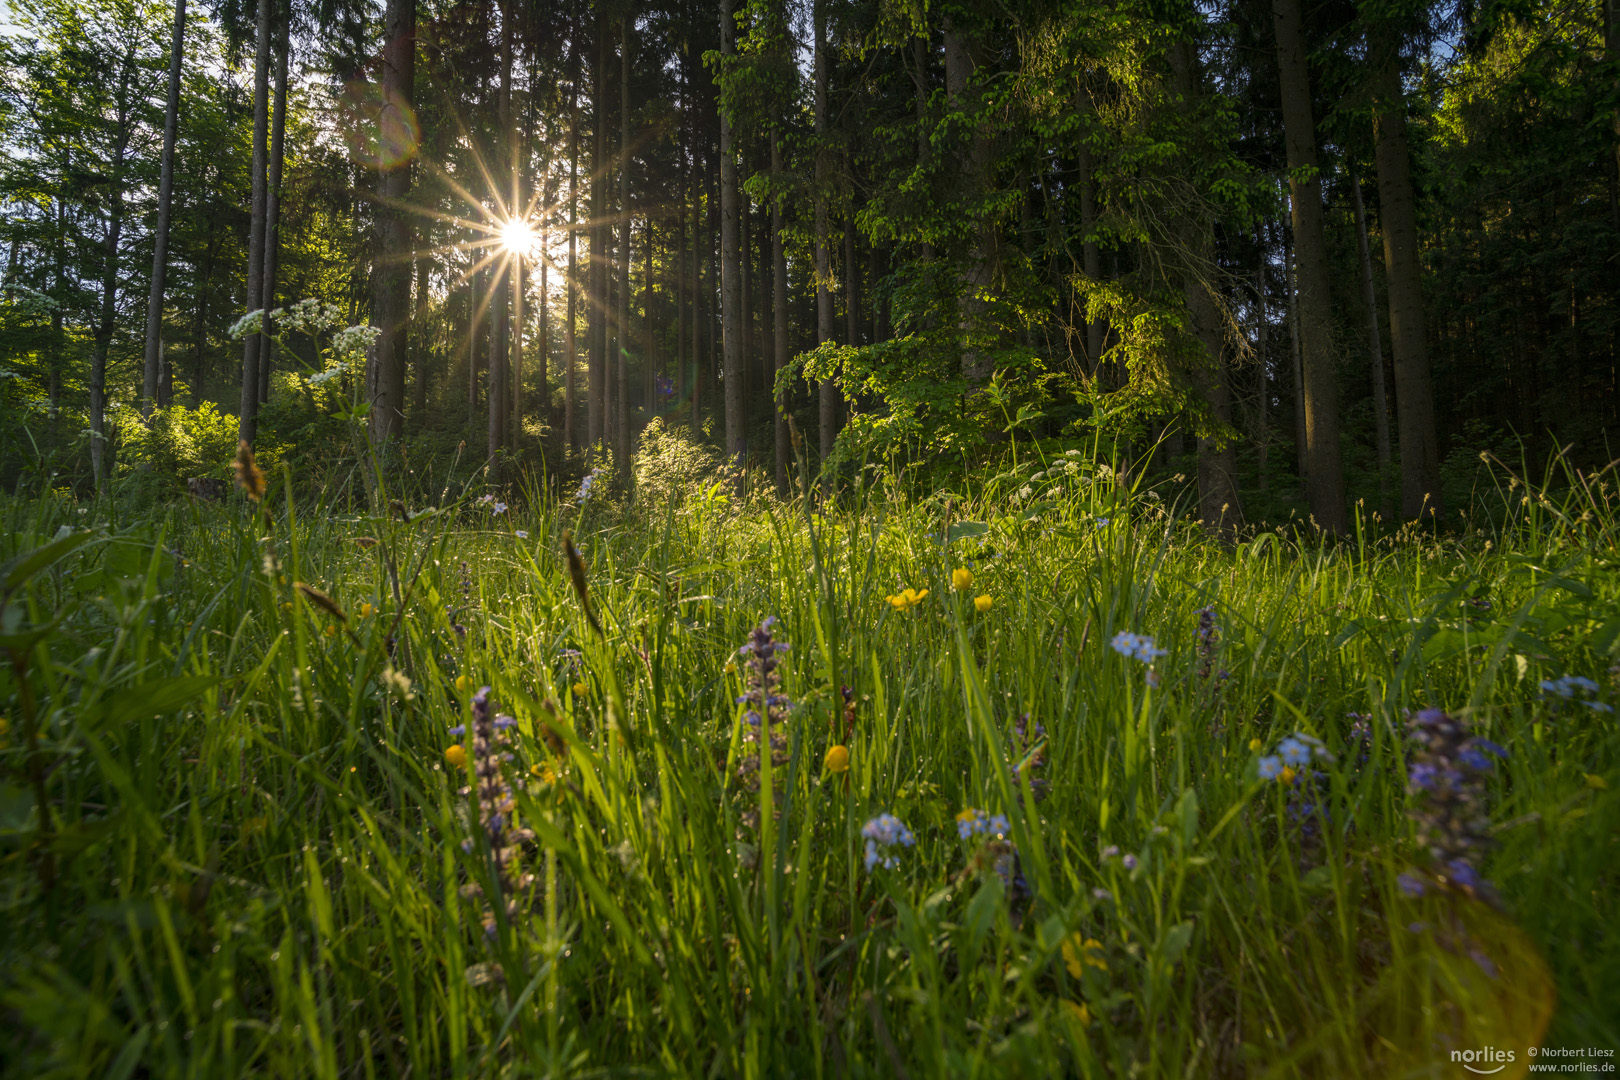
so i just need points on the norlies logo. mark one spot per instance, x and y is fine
(1490, 1060)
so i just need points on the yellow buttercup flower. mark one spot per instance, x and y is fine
(1080, 953)
(579, 689)
(456, 756)
(731, 667)
(331, 631)
(544, 771)
(1079, 1012)
(1286, 776)
(1254, 744)
(961, 579)
(837, 759)
(462, 682)
(907, 598)
(366, 610)
(983, 603)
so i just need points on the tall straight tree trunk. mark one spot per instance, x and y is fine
(1324, 484)
(1375, 350)
(919, 57)
(596, 267)
(1262, 412)
(678, 272)
(498, 392)
(779, 312)
(960, 67)
(745, 291)
(1296, 361)
(272, 208)
(852, 283)
(247, 427)
(475, 322)
(1091, 257)
(621, 423)
(731, 329)
(570, 357)
(1403, 269)
(697, 310)
(100, 463)
(1218, 506)
(391, 277)
(824, 306)
(160, 236)
(419, 355)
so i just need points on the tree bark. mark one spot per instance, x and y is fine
(596, 272)
(731, 329)
(1324, 484)
(621, 424)
(1403, 268)
(272, 209)
(824, 307)
(247, 427)
(1375, 350)
(779, 311)
(960, 66)
(1297, 363)
(160, 237)
(391, 275)
(570, 356)
(101, 466)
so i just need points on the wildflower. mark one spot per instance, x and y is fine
(248, 325)
(961, 579)
(366, 610)
(1270, 768)
(1576, 688)
(767, 711)
(498, 508)
(1111, 851)
(579, 689)
(321, 378)
(971, 823)
(1287, 776)
(882, 833)
(731, 667)
(1137, 647)
(456, 756)
(907, 598)
(587, 483)
(837, 759)
(1129, 862)
(462, 682)
(492, 807)
(1080, 953)
(1031, 746)
(1446, 779)
(520, 534)
(983, 603)
(1079, 1013)
(354, 341)
(1294, 752)
(330, 631)
(1411, 885)
(1254, 744)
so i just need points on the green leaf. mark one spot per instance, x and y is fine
(26, 565)
(151, 699)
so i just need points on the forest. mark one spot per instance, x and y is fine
(809, 538)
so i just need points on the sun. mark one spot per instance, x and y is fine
(518, 235)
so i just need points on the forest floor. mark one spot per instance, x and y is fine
(1101, 797)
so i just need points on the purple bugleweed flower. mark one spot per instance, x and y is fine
(767, 712)
(1129, 862)
(1029, 747)
(1446, 781)
(882, 833)
(492, 807)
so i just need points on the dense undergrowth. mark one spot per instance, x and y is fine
(235, 839)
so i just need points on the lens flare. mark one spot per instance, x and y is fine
(518, 236)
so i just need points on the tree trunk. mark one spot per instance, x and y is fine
(779, 310)
(960, 66)
(247, 427)
(100, 462)
(272, 210)
(621, 424)
(570, 357)
(1218, 506)
(391, 276)
(730, 282)
(596, 269)
(1375, 349)
(1297, 364)
(1262, 412)
(419, 354)
(160, 236)
(824, 307)
(697, 310)
(1324, 485)
(852, 283)
(1403, 269)
(498, 391)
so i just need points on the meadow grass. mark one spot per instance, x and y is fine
(235, 839)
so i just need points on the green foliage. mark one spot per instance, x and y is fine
(182, 442)
(233, 838)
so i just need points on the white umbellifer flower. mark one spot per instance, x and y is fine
(1104, 472)
(321, 378)
(1040, 475)
(355, 340)
(1025, 493)
(251, 323)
